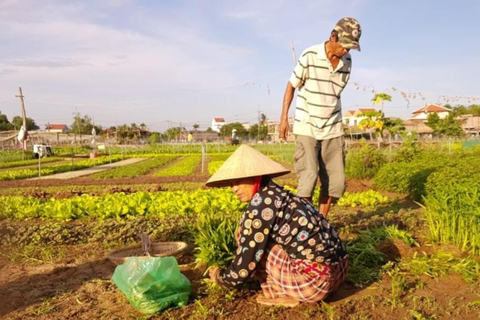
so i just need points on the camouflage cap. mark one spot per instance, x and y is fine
(349, 32)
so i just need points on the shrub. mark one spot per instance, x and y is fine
(453, 205)
(364, 162)
(404, 177)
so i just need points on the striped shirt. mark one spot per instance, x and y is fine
(318, 112)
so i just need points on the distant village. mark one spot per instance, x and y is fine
(266, 131)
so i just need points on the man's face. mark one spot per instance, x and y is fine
(337, 49)
(243, 188)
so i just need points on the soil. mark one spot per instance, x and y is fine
(77, 285)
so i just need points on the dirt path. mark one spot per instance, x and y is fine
(89, 171)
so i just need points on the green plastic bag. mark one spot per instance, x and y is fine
(152, 284)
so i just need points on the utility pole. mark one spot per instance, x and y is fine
(294, 54)
(181, 132)
(258, 128)
(24, 118)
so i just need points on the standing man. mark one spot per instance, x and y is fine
(321, 74)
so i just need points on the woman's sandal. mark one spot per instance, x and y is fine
(283, 301)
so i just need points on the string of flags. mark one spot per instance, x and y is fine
(251, 83)
(408, 96)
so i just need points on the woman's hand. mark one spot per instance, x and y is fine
(212, 273)
(238, 234)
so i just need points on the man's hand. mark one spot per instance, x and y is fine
(283, 129)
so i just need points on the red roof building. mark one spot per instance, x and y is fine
(422, 113)
(352, 118)
(217, 123)
(62, 128)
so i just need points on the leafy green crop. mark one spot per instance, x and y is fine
(185, 167)
(369, 199)
(58, 168)
(452, 206)
(214, 235)
(136, 169)
(121, 205)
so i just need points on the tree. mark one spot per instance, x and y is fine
(380, 98)
(393, 126)
(263, 119)
(154, 138)
(17, 122)
(5, 125)
(433, 120)
(258, 131)
(447, 127)
(461, 110)
(196, 126)
(173, 133)
(123, 132)
(226, 130)
(372, 120)
(83, 125)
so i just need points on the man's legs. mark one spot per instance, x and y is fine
(331, 161)
(324, 204)
(306, 165)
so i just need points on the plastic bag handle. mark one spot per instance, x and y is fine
(145, 243)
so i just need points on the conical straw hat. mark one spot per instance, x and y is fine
(245, 162)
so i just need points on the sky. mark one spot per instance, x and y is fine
(168, 63)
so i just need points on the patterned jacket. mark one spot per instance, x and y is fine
(277, 216)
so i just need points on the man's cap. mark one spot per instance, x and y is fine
(349, 32)
(245, 162)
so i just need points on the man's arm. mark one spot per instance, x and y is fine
(287, 100)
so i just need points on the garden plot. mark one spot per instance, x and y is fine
(54, 263)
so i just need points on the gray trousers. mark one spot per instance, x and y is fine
(324, 159)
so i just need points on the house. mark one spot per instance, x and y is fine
(205, 136)
(272, 130)
(470, 124)
(217, 123)
(417, 122)
(418, 126)
(424, 112)
(60, 128)
(352, 118)
(246, 125)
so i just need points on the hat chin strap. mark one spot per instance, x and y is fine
(256, 184)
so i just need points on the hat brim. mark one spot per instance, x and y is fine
(245, 162)
(228, 182)
(349, 45)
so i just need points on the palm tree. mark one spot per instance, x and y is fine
(393, 126)
(263, 119)
(372, 120)
(380, 98)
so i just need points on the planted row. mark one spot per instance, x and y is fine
(136, 169)
(29, 162)
(185, 167)
(30, 173)
(452, 206)
(369, 199)
(118, 231)
(121, 205)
